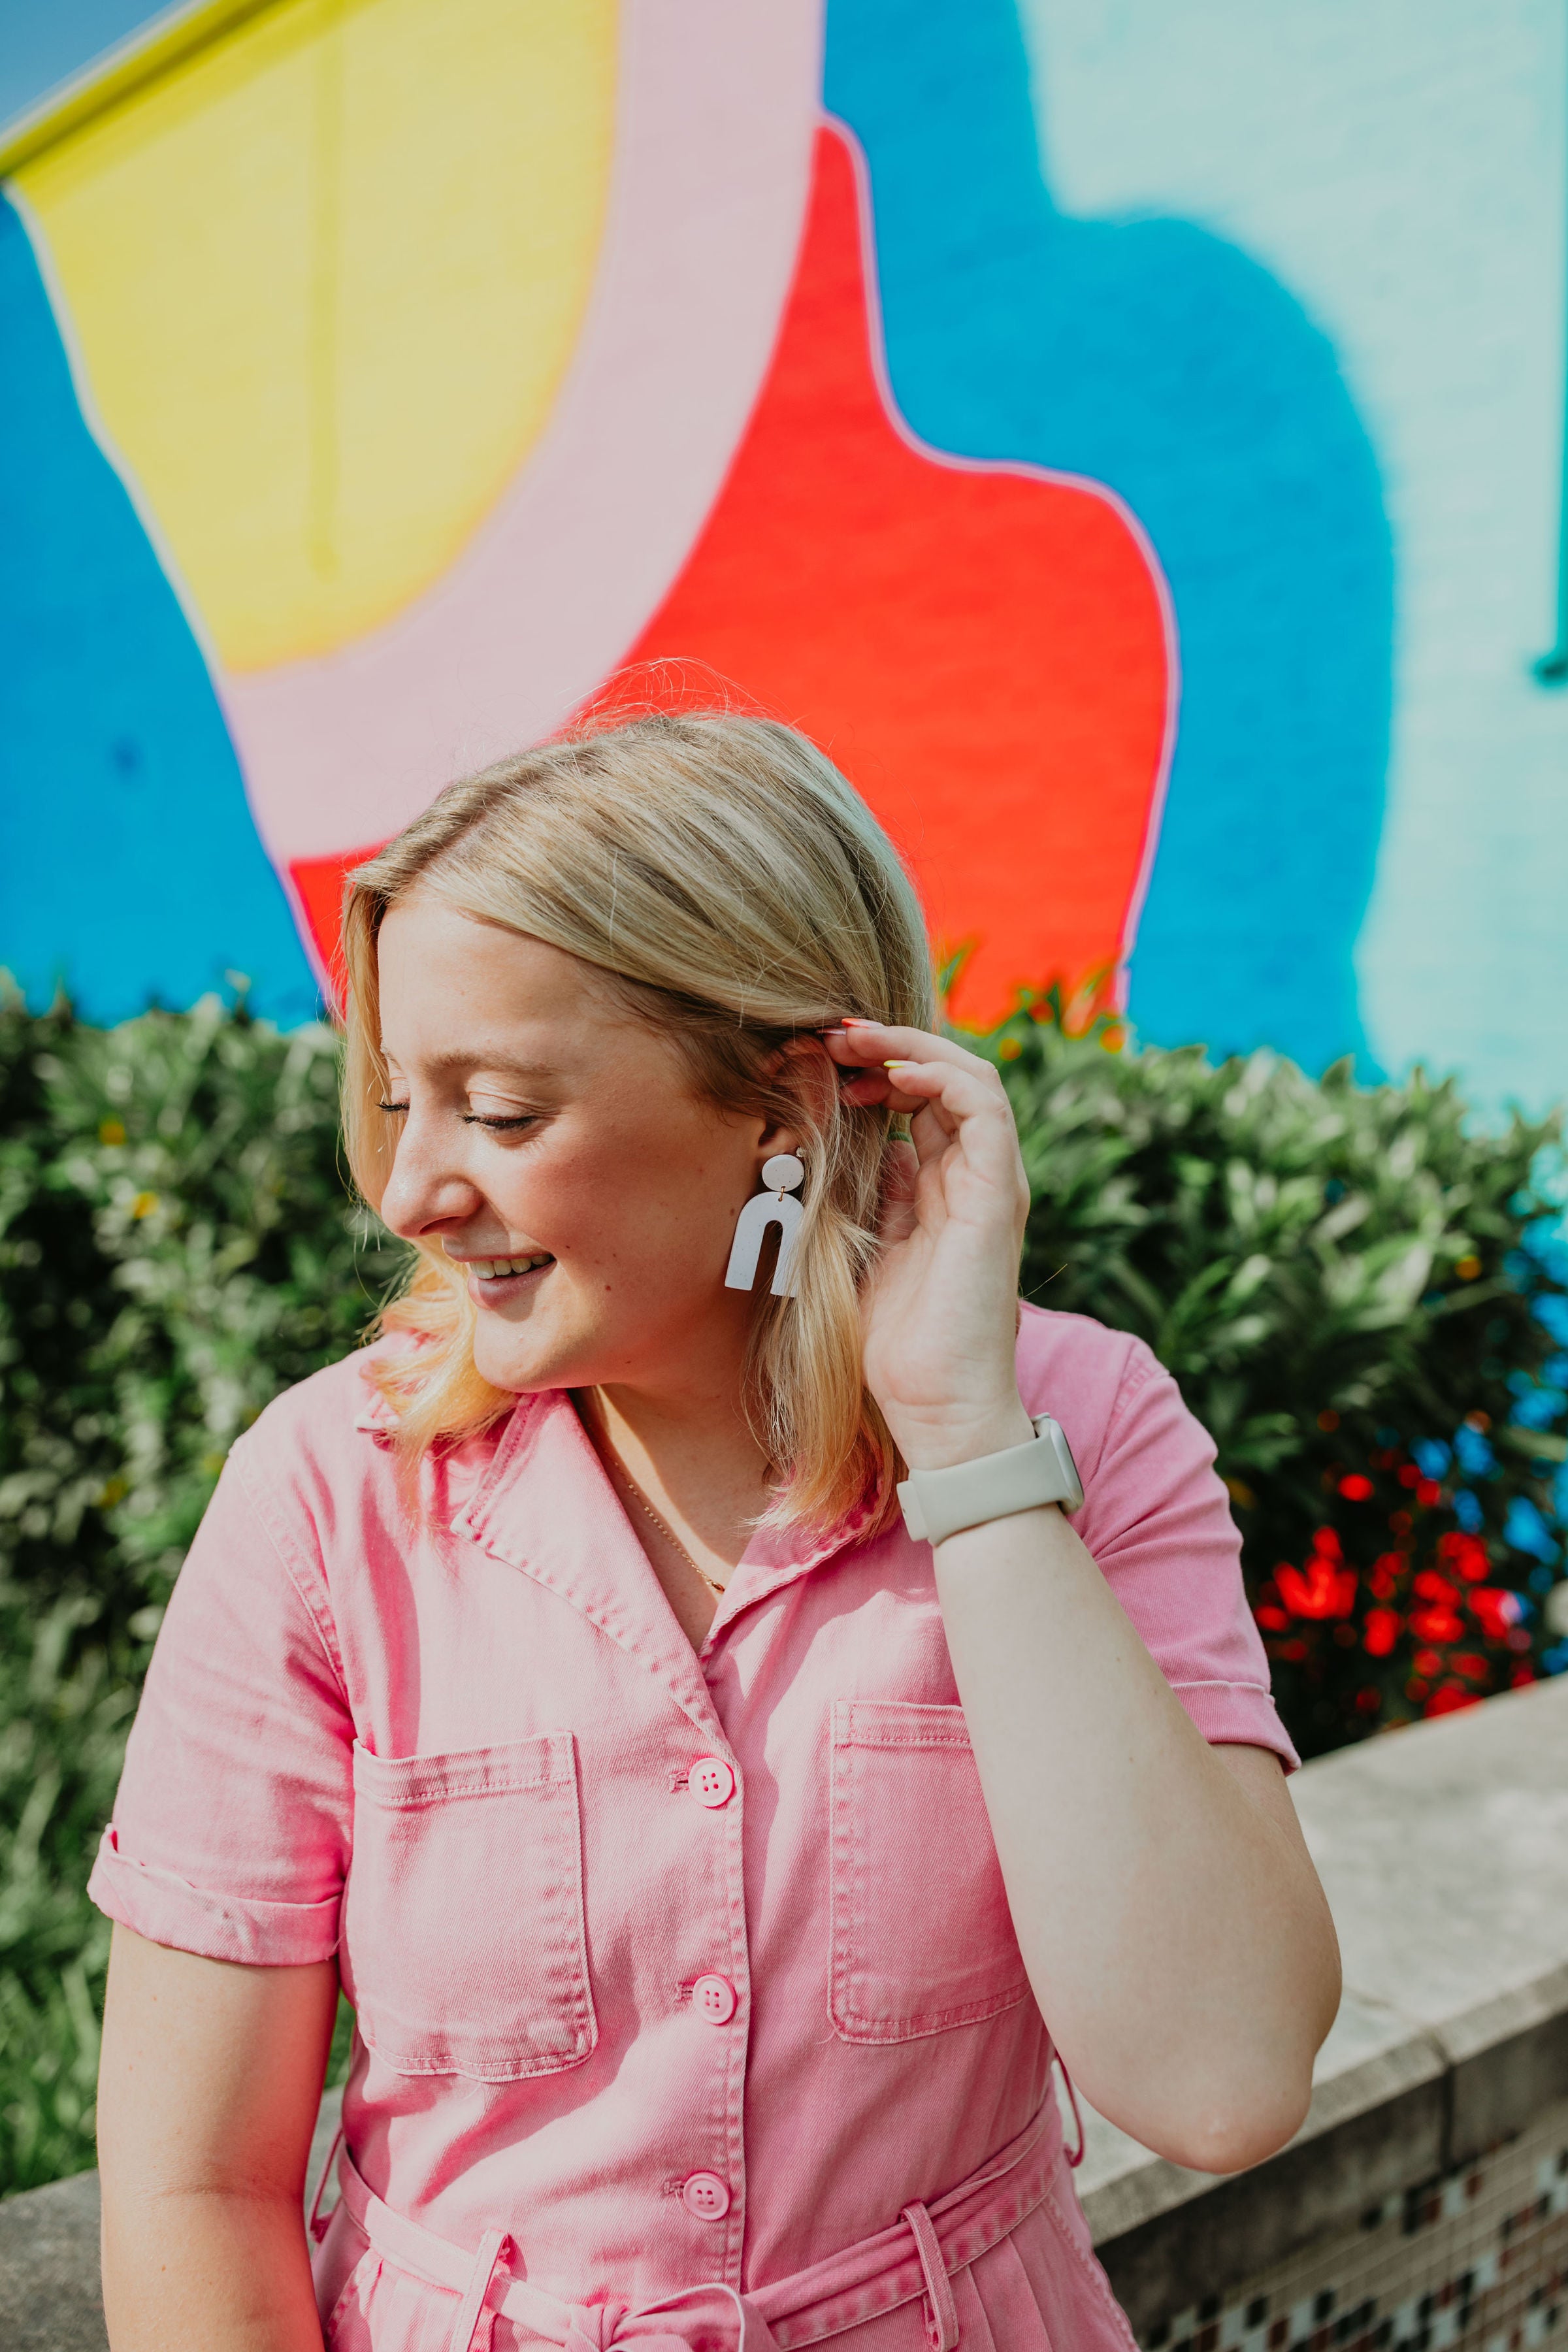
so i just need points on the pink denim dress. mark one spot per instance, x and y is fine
(691, 2012)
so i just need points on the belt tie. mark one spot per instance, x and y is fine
(916, 2256)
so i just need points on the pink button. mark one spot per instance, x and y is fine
(713, 1783)
(706, 2196)
(715, 2000)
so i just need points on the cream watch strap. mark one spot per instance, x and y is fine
(939, 1503)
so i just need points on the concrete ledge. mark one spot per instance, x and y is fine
(1444, 1850)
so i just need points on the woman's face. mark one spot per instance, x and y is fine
(553, 1146)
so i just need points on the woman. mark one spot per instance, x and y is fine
(704, 1855)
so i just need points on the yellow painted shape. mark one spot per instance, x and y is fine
(325, 275)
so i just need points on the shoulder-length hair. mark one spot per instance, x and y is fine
(740, 895)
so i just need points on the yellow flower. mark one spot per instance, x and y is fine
(111, 1131)
(1468, 1267)
(1010, 1048)
(143, 1204)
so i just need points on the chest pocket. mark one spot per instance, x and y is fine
(463, 1935)
(923, 1938)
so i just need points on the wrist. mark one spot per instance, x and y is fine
(939, 1441)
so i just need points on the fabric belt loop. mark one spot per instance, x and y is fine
(492, 2247)
(317, 2224)
(941, 2331)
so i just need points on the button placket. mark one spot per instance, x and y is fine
(717, 2198)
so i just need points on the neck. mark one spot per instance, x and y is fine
(690, 1451)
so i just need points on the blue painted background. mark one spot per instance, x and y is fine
(1155, 358)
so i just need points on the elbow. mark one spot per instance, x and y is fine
(1235, 2130)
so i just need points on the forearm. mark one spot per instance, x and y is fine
(187, 2270)
(1174, 1935)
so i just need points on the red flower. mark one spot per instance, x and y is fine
(1496, 1609)
(1295, 1650)
(1324, 1590)
(1430, 1586)
(1465, 1555)
(1368, 1701)
(1470, 1663)
(1272, 1620)
(1438, 1624)
(1427, 1663)
(1449, 1699)
(1326, 1540)
(1355, 1488)
(1409, 1474)
(1381, 1632)
(1386, 1569)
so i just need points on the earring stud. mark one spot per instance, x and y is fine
(783, 1173)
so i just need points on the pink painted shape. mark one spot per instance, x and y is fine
(717, 112)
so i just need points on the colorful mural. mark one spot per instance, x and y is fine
(966, 383)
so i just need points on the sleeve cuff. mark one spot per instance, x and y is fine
(1238, 1715)
(216, 1927)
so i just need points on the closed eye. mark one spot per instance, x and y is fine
(396, 1108)
(501, 1125)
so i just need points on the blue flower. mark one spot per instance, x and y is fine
(1473, 1452)
(1551, 1311)
(1526, 1530)
(1432, 1456)
(1467, 1510)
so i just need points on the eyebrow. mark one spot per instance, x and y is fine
(501, 1065)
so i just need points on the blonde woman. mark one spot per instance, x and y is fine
(713, 1863)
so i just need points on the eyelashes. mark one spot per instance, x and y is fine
(475, 1119)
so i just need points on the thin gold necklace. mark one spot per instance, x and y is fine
(667, 1532)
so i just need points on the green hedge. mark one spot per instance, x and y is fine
(1347, 1284)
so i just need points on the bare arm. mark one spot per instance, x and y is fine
(1168, 1914)
(210, 2081)
(1167, 1909)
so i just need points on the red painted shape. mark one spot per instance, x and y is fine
(319, 887)
(982, 648)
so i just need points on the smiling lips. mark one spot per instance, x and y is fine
(497, 1269)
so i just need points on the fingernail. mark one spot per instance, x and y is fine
(852, 1020)
(898, 1066)
(831, 1033)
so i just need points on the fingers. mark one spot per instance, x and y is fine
(862, 1049)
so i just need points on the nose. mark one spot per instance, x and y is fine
(428, 1192)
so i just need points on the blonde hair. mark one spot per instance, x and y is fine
(738, 892)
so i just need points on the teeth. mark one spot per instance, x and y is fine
(495, 1269)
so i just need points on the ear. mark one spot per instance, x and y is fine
(805, 1069)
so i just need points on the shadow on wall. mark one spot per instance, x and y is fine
(1152, 357)
(124, 826)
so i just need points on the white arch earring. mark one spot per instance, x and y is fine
(783, 1172)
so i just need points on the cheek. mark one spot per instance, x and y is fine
(633, 1210)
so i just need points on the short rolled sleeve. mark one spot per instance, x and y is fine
(1157, 1519)
(233, 1818)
